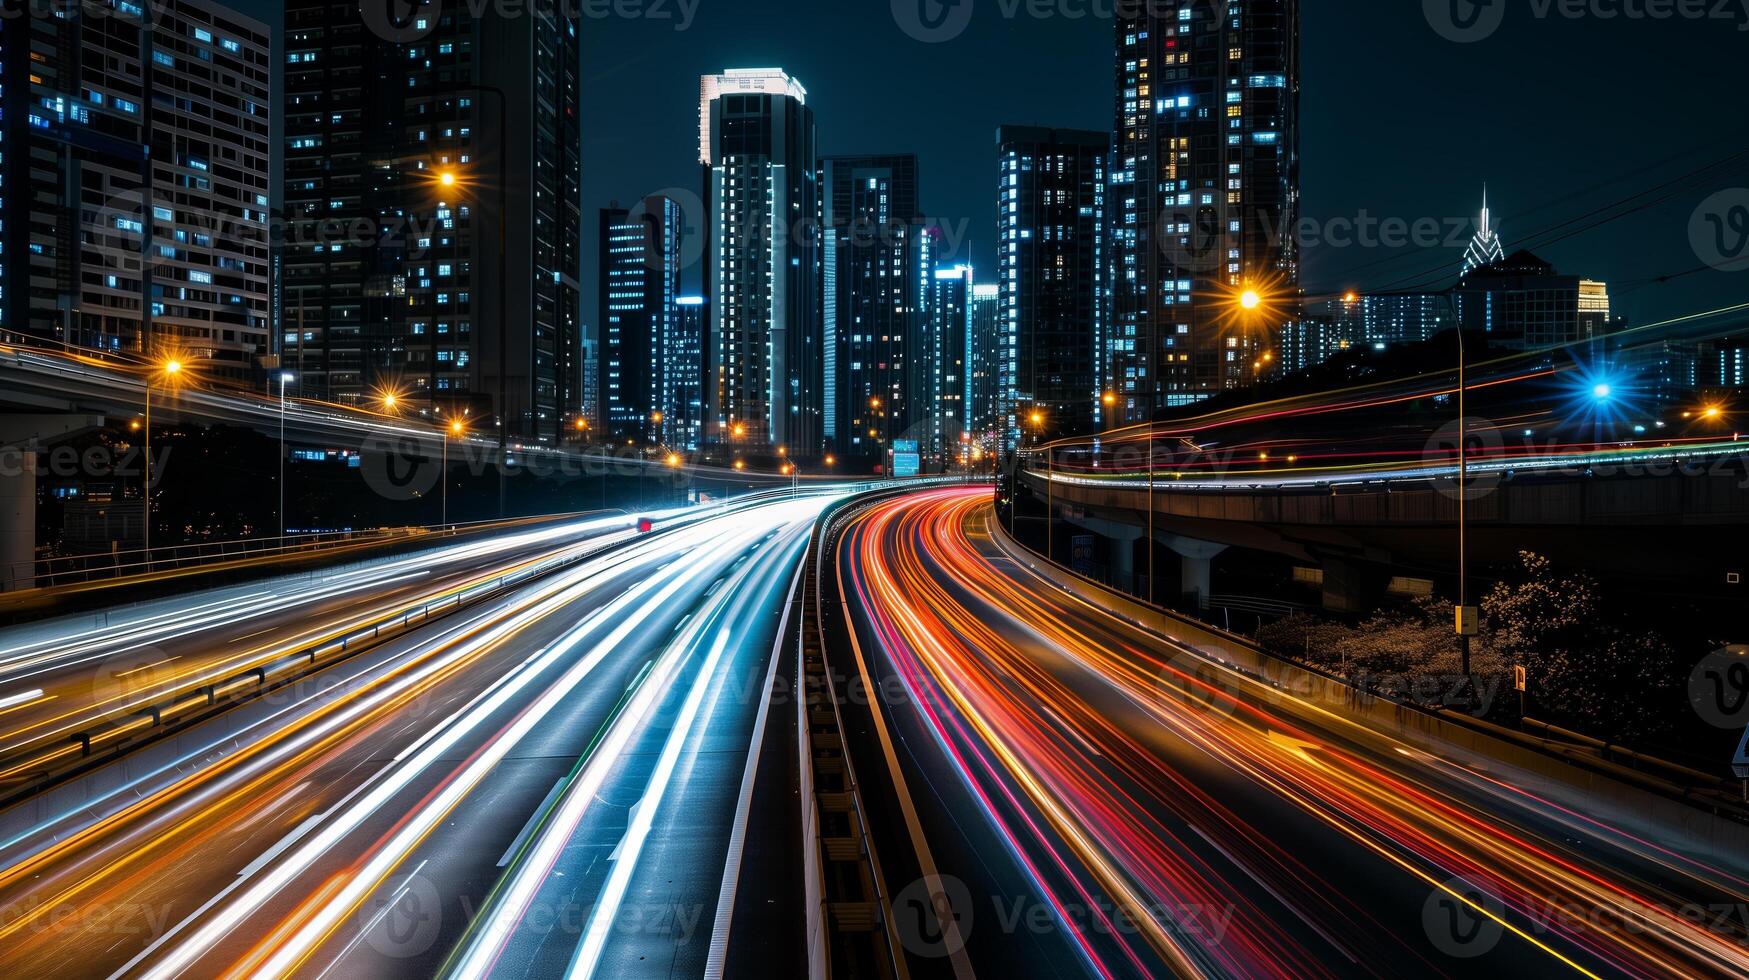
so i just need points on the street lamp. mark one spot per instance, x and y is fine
(285, 378)
(448, 178)
(456, 429)
(172, 368)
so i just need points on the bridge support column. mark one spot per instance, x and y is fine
(1123, 564)
(1350, 587)
(1195, 564)
(20, 437)
(17, 519)
(1123, 538)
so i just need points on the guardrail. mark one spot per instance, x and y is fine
(849, 919)
(1704, 805)
(114, 733)
(48, 573)
(124, 567)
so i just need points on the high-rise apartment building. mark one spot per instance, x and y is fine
(984, 350)
(1522, 303)
(1204, 195)
(134, 181)
(683, 421)
(1051, 271)
(874, 244)
(434, 213)
(640, 290)
(763, 269)
(947, 346)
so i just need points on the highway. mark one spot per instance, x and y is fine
(81, 674)
(1102, 801)
(569, 753)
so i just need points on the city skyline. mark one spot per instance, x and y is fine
(671, 489)
(1446, 148)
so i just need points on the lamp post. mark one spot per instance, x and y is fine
(172, 368)
(284, 377)
(1466, 617)
(449, 179)
(454, 428)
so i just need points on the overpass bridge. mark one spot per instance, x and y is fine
(51, 397)
(1677, 517)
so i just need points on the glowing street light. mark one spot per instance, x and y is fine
(455, 428)
(446, 178)
(285, 378)
(1250, 299)
(172, 369)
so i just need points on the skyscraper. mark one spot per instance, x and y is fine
(1205, 195)
(683, 422)
(757, 147)
(947, 344)
(874, 249)
(1051, 206)
(404, 165)
(1485, 247)
(135, 183)
(640, 289)
(984, 349)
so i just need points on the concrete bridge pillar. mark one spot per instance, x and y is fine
(1351, 587)
(20, 437)
(1195, 568)
(1123, 538)
(1123, 564)
(17, 518)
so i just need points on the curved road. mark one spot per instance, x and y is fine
(1105, 802)
(358, 827)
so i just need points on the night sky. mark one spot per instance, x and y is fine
(1558, 115)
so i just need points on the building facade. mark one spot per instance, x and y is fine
(875, 245)
(1522, 303)
(984, 351)
(683, 422)
(134, 182)
(640, 291)
(948, 344)
(764, 268)
(433, 201)
(1051, 270)
(1204, 195)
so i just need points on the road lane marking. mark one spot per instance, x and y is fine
(533, 818)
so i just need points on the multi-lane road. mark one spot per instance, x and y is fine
(1098, 800)
(544, 754)
(549, 779)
